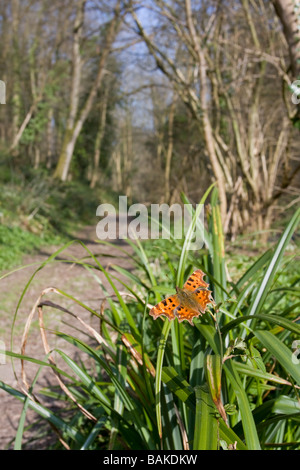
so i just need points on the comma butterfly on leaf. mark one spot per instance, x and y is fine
(189, 302)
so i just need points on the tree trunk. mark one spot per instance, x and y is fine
(99, 138)
(207, 127)
(290, 20)
(22, 128)
(128, 157)
(37, 157)
(50, 138)
(117, 176)
(69, 139)
(169, 152)
(16, 96)
(74, 128)
(289, 14)
(223, 84)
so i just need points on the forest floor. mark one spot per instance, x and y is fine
(72, 279)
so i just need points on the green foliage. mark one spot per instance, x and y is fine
(15, 242)
(36, 211)
(37, 125)
(228, 382)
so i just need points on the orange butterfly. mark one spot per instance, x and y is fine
(189, 302)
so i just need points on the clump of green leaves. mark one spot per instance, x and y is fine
(228, 382)
(35, 210)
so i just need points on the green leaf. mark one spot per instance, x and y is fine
(172, 437)
(259, 374)
(207, 238)
(206, 430)
(128, 401)
(270, 318)
(229, 436)
(178, 385)
(254, 269)
(121, 359)
(282, 407)
(211, 335)
(187, 243)
(213, 374)
(244, 405)
(256, 358)
(218, 254)
(94, 433)
(85, 378)
(266, 282)
(248, 423)
(279, 350)
(159, 369)
(71, 431)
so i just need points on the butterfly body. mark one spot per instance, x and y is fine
(188, 302)
(187, 298)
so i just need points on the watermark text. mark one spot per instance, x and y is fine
(295, 86)
(157, 221)
(2, 92)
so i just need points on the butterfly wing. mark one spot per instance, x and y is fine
(195, 281)
(165, 307)
(204, 298)
(185, 313)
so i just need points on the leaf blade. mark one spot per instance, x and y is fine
(282, 353)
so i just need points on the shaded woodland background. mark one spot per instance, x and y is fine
(149, 99)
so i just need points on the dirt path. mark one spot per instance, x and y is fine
(70, 278)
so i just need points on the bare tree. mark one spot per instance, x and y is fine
(16, 98)
(224, 77)
(123, 156)
(78, 117)
(99, 136)
(289, 14)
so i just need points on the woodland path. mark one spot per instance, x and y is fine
(72, 279)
